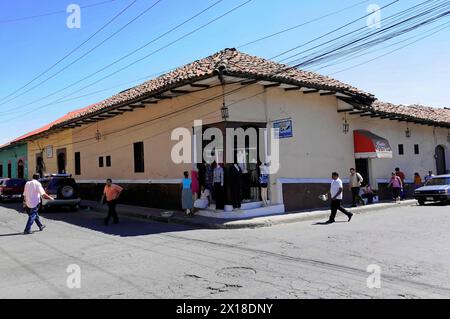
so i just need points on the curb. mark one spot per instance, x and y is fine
(256, 222)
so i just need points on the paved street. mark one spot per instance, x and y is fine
(140, 259)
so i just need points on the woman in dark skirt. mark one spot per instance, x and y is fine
(187, 202)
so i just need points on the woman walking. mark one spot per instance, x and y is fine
(396, 184)
(187, 201)
(417, 181)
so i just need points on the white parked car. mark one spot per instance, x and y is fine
(436, 189)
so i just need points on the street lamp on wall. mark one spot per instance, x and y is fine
(345, 125)
(225, 114)
(98, 135)
(224, 109)
(408, 133)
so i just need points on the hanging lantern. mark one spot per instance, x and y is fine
(408, 133)
(98, 135)
(224, 109)
(345, 125)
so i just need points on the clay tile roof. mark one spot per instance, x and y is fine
(48, 126)
(233, 63)
(417, 112)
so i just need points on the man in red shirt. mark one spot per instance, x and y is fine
(111, 194)
(402, 176)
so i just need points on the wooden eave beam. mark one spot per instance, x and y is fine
(272, 85)
(293, 89)
(181, 91)
(198, 85)
(327, 93)
(310, 91)
(126, 109)
(163, 97)
(357, 112)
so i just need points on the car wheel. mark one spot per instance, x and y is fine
(421, 202)
(67, 191)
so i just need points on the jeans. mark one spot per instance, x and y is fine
(355, 196)
(33, 216)
(112, 211)
(335, 206)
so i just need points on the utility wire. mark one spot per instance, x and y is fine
(358, 33)
(301, 25)
(42, 15)
(331, 32)
(133, 63)
(73, 50)
(86, 53)
(358, 55)
(390, 52)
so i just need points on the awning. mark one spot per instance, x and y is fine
(369, 145)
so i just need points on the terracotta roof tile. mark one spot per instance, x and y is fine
(233, 63)
(419, 112)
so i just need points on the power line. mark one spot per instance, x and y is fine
(324, 55)
(356, 55)
(72, 51)
(136, 61)
(390, 52)
(42, 15)
(301, 25)
(86, 53)
(357, 33)
(328, 33)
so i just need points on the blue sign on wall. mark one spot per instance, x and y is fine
(284, 127)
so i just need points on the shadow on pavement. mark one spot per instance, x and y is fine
(92, 220)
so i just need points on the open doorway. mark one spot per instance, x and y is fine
(362, 167)
(441, 165)
(61, 158)
(20, 169)
(40, 165)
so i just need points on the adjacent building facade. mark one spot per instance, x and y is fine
(325, 126)
(14, 161)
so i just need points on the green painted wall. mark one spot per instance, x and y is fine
(12, 155)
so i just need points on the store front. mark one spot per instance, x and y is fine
(246, 153)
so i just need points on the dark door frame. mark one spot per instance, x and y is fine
(441, 165)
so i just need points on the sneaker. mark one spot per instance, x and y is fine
(350, 217)
(27, 233)
(42, 227)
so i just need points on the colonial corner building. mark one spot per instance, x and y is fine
(325, 125)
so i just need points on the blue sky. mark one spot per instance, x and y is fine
(416, 74)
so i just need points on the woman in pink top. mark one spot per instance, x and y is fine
(195, 184)
(396, 184)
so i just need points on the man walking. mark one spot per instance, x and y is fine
(429, 176)
(402, 176)
(111, 194)
(336, 195)
(355, 187)
(32, 195)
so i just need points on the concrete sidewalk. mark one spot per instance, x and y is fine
(177, 217)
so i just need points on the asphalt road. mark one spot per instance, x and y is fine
(409, 246)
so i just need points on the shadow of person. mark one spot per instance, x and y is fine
(10, 235)
(328, 223)
(322, 224)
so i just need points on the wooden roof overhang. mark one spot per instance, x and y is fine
(363, 110)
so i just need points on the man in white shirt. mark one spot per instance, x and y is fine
(32, 195)
(336, 195)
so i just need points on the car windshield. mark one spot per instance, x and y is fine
(439, 181)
